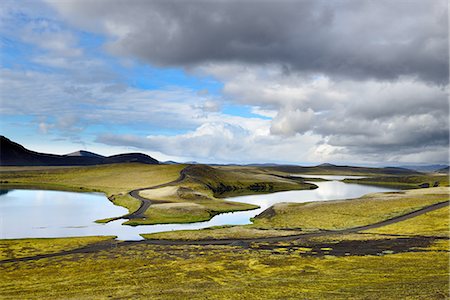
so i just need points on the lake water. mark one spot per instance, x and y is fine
(37, 213)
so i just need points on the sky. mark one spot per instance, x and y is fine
(300, 82)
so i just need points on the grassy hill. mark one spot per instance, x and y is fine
(329, 169)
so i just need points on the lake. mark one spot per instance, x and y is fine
(39, 213)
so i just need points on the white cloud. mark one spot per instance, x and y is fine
(289, 122)
(310, 112)
(222, 142)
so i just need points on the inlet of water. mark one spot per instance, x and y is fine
(38, 213)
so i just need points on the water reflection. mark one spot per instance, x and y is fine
(63, 214)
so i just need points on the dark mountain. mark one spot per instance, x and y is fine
(333, 169)
(262, 165)
(444, 170)
(85, 154)
(326, 165)
(130, 157)
(13, 154)
(426, 168)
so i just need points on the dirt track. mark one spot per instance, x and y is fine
(305, 235)
(145, 203)
(231, 242)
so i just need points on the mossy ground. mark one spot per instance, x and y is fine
(114, 180)
(407, 260)
(224, 272)
(434, 223)
(405, 182)
(219, 232)
(187, 203)
(16, 248)
(203, 188)
(341, 214)
(291, 218)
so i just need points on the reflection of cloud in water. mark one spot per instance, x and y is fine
(63, 214)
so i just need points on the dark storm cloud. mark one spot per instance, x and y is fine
(365, 79)
(356, 39)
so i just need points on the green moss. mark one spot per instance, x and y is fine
(174, 213)
(111, 179)
(16, 248)
(343, 214)
(405, 182)
(142, 271)
(434, 223)
(238, 181)
(217, 233)
(213, 272)
(202, 186)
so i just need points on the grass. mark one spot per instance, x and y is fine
(16, 248)
(200, 196)
(222, 272)
(434, 223)
(405, 182)
(218, 233)
(114, 180)
(201, 191)
(230, 181)
(173, 213)
(343, 214)
(399, 262)
(185, 205)
(328, 215)
(342, 170)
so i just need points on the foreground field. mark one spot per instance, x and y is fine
(405, 260)
(355, 266)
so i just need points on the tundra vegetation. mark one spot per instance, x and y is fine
(403, 263)
(404, 260)
(197, 197)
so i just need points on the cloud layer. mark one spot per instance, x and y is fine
(307, 81)
(351, 38)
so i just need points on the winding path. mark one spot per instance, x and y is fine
(232, 242)
(145, 203)
(386, 222)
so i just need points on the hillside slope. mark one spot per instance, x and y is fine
(14, 154)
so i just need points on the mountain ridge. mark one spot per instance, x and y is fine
(84, 153)
(14, 154)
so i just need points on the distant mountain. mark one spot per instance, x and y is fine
(130, 157)
(14, 154)
(170, 162)
(327, 168)
(326, 165)
(85, 154)
(262, 165)
(443, 170)
(426, 168)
